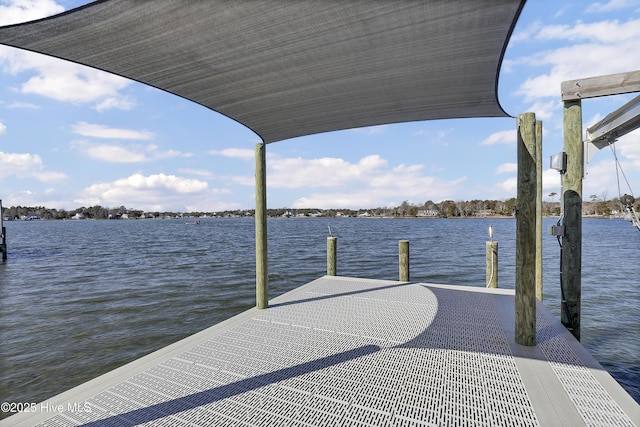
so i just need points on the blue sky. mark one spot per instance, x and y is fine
(71, 136)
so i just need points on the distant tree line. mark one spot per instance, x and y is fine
(596, 206)
(94, 212)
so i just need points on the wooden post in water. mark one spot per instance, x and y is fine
(403, 259)
(3, 234)
(262, 272)
(492, 264)
(572, 206)
(539, 210)
(332, 244)
(525, 327)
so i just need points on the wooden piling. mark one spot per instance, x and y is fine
(403, 260)
(539, 210)
(262, 272)
(332, 244)
(3, 242)
(3, 235)
(492, 264)
(525, 299)
(572, 207)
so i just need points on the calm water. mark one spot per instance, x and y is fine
(79, 298)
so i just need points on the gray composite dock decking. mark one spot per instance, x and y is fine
(357, 352)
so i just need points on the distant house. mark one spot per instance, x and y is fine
(78, 216)
(427, 212)
(484, 212)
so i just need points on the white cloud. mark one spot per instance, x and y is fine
(600, 48)
(344, 200)
(611, 32)
(545, 110)
(25, 165)
(362, 184)
(550, 182)
(23, 105)
(117, 153)
(154, 192)
(101, 131)
(507, 168)
(508, 137)
(611, 5)
(235, 153)
(322, 172)
(410, 182)
(65, 81)
(600, 178)
(122, 103)
(198, 172)
(509, 186)
(3, 128)
(629, 147)
(16, 11)
(525, 33)
(405, 183)
(114, 154)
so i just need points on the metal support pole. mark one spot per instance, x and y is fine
(332, 243)
(525, 327)
(539, 210)
(492, 264)
(572, 207)
(403, 259)
(262, 272)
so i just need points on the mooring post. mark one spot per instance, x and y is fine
(525, 327)
(492, 264)
(3, 236)
(262, 272)
(572, 207)
(332, 244)
(539, 210)
(403, 259)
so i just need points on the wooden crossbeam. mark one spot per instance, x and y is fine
(612, 84)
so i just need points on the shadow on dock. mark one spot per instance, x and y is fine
(342, 351)
(171, 407)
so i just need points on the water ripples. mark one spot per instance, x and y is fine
(80, 298)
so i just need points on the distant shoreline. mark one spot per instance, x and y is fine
(306, 217)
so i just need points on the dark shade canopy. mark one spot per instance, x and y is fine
(288, 68)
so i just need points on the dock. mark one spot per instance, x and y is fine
(344, 351)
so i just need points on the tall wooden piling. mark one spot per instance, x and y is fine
(572, 207)
(525, 327)
(539, 210)
(332, 250)
(491, 259)
(403, 260)
(262, 272)
(3, 234)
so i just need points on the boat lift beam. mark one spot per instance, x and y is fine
(607, 131)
